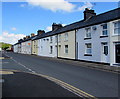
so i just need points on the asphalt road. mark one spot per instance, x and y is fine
(18, 84)
(95, 82)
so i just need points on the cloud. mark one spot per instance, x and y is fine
(59, 5)
(86, 5)
(13, 28)
(22, 5)
(54, 5)
(10, 37)
(49, 28)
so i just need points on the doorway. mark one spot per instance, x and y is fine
(117, 51)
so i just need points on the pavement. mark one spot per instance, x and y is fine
(21, 84)
(94, 82)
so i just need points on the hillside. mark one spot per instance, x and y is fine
(5, 45)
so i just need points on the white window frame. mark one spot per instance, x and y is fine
(105, 46)
(66, 37)
(103, 30)
(116, 27)
(88, 50)
(88, 33)
(66, 49)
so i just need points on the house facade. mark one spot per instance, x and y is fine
(35, 45)
(66, 45)
(15, 48)
(96, 38)
(26, 44)
(115, 42)
(26, 47)
(99, 42)
(47, 46)
(47, 43)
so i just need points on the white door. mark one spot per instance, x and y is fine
(104, 53)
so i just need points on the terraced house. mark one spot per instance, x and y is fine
(26, 45)
(47, 42)
(96, 38)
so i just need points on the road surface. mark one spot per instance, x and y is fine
(95, 82)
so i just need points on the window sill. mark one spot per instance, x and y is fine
(66, 41)
(116, 35)
(66, 53)
(87, 38)
(102, 36)
(87, 54)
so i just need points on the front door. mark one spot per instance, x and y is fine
(117, 53)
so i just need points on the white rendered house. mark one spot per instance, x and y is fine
(47, 46)
(99, 41)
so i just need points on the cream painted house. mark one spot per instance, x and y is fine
(35, 47)
(66, 45)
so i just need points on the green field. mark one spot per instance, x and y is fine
(5, 45)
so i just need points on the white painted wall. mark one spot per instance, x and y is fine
(44, 47)
(26, 47)
(114, 39)
(96, 42)
(15, 48)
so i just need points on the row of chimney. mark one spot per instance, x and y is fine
(39, 32)
(87, 14)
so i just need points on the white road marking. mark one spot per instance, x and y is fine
(22, 64)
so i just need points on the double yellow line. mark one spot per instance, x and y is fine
(67, 86)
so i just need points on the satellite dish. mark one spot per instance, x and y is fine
(94, 28)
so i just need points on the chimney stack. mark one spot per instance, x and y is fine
(26, 37)
(56, 26)
(32, 34)
(39, 32)
(88, 13)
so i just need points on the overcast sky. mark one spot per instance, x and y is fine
(23, 18)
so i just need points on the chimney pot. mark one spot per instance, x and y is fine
(56, 26)
(88, 13)
(39, 32)
(32, 34)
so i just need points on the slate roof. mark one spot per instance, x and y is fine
(101, 18)
(28, 39)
